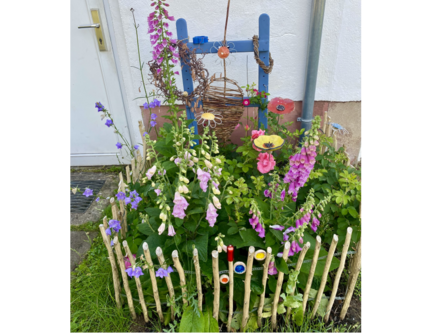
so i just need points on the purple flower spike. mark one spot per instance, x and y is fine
(145, 133)
(108, 122)
(161, 273)
(119, 145)
(87, 192)
(97, 200)
(153, 116)
(145, 105)
(136, 147)
(153, 123)
(108, 231)
(169, 270)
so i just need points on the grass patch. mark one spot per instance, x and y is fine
(93, 307)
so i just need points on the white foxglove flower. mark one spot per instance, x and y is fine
(208, 164)
(216, 191)
(207, 156)
(172, 159)
(218, 161)
(163, 217)
(216, 202)
(195, 160)
(162, 226)
(224, 248)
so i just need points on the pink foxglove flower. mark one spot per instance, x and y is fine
(171, 231)
(265, 162)
(158, 191)
(203, 177)
(277, 227)
(161, 229)
(272, 270)
(237, 126)
(294, 248)
(211, 215)
(151, 172)
(180, 204)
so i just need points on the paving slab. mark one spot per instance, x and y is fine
(80, 244)
(94, 212)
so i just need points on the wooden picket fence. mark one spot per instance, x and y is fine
(116, 259)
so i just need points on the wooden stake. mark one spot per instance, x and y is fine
(105, 226)
(298, 268)
(198, 278)
(128, 174)
(124, 277)
(168, 281)
(248, 274)
(112, 260)
(331, 252)
(133, 170)
(356, 267)
(114, 209)
(329, 127)
(335, 141)
(138, 284)
(312, 271)
(264, 284)
(141, 129)
(147, 254)
(179, 269)
(230, 296)
(338, 273)
(138, 165)
(324, 129)
(216, 293)
(278, 288)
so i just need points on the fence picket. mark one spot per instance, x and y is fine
(216, 293)
(278, 288)
(124, 277)
(338, 273)
(331, 252)
(122, 186)
(355, 268)
(146, 251)
(179, 269)
(312, 271)
(138, 284)
(248, 274)
(198, 278)
(264, 284)
(230, 296)
(168, 281)
(128, 174)
(298, 268)
(133, 170)
(112, 260)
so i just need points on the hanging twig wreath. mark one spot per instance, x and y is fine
(199, 74)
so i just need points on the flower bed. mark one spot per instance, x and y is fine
(191, 197)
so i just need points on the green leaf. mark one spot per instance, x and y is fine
(344, 211)
(210, 323)
(281, 265)
(163, 148)
(272, 282)
(251, 238)
(298, 316)
(281, 308)
(279, 234)
(145, 229)
(197, 210)
(269, 239)
(256, 287)
(293, 301)
(353, 212)
(232, 230)
(201, 244)
(192, 321)
(168, 165)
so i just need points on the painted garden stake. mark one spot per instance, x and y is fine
(147, 253)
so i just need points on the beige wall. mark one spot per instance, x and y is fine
(347, 114)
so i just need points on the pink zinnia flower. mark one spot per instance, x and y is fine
(272, 270)
(265, 162)
(246, 102)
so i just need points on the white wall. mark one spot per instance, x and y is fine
(339, 76)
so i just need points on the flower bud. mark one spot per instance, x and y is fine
(216, 191)
(168, 208)
(195, 159)
(207, 156)
(218, 161)
(172, 159)
(208, 164)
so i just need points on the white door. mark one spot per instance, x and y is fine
(93, 79)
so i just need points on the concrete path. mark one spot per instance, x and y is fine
(80, 243)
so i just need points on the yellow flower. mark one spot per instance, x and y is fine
(269, 142)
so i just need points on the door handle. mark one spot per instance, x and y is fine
(97, 25)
